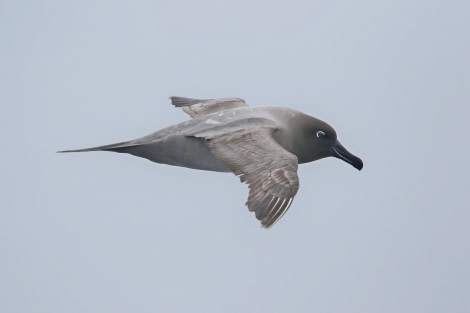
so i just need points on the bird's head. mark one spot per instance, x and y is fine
(326, 144)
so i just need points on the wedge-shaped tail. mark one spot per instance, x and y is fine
(116, 147)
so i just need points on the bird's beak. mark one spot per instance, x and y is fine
(340, 152)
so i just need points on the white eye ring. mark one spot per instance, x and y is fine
(320, 134)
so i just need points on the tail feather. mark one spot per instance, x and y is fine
(112, 147)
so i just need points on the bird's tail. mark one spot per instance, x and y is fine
(116, 147)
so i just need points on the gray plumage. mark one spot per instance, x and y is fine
(261, 145)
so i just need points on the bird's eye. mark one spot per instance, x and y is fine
(320, 134)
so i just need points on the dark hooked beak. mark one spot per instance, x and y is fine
(340, 152)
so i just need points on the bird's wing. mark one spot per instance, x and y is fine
(199, 107)
(268, 169)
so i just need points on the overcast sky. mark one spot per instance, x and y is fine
(107, 232)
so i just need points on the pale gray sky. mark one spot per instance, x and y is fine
(106, 232)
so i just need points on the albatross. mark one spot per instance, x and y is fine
(261, 145)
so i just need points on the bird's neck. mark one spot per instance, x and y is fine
(296, 141)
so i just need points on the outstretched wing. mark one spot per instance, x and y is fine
(198, 107)
(268, 169)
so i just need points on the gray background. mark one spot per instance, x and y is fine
(106, 232)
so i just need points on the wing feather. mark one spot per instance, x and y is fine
(268, 169)
(198, 107)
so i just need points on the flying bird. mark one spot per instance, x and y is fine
(261, 145)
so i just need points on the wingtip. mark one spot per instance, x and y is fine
(183, 101)
(264, 226)
(172, 100)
